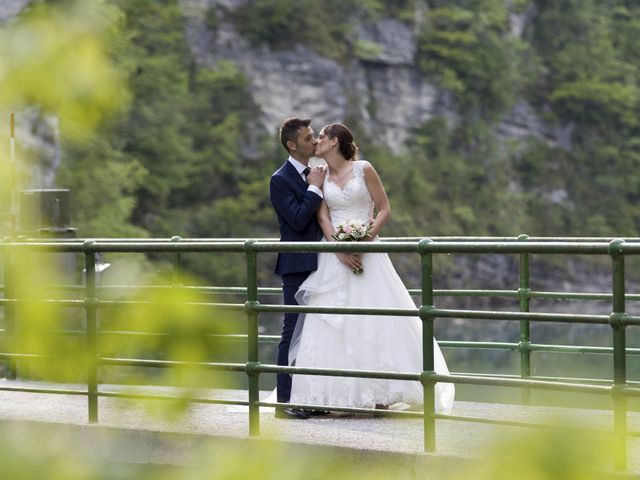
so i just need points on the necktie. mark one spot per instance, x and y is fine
(306, 171)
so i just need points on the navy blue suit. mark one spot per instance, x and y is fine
(296, 208)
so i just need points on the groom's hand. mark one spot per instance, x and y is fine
(351, 260)
(316, 176)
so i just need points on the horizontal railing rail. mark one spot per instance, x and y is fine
(423, 246)
(532, 295)
(619, 388)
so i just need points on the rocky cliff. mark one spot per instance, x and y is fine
(383, 89)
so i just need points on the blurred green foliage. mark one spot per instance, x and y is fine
(552, 453)
(65, 454)
(171, 324)
(55, 58)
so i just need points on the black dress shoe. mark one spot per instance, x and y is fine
(382, 410)
(318, 413)
(295, 413)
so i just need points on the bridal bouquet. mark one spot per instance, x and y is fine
(352, 231)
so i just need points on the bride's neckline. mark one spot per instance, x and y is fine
(349, 174)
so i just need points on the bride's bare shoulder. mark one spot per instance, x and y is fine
(365, 165)
(369, 173)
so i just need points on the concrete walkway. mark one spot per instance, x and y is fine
(456, 440)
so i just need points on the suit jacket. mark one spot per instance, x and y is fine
(296, 209)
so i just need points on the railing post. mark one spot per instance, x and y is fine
(10, 313)
(252, 334)
(91, 341)
(177, 263)
(619, 356)
(525, 339)
(11, 330)
(428, 369)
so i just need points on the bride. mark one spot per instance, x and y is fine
(351, 190)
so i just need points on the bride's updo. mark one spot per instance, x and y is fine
(346, 145)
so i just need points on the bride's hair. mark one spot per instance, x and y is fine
(346, 145)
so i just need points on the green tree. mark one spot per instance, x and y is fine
(590, 82)
(466, 46)
(103, 183)
(157, 127)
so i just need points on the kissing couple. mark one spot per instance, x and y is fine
(313, 204)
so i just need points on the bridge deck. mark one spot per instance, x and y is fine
(363, 433)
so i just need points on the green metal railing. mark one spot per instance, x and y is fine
(620, 389)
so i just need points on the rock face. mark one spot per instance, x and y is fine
(382, 88)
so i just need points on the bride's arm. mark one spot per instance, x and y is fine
(380, 200)
(351, 261)
(325, 222)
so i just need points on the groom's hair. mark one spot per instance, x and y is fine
(289, 129)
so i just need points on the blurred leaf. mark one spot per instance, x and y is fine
(55, 57)
(557, 453)
(177, 327)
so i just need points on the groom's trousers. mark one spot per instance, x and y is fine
(290, 284)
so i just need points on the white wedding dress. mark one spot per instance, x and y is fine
(359, 342)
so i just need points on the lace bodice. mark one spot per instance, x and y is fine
(353, 202)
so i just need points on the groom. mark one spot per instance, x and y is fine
(295, 192)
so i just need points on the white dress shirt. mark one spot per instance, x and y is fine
(300, 168)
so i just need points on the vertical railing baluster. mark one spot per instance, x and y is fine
(428, 368)
(252, 339)
(10, 313)
(10, 289)
(176, 274)
(91, 340)
(619, 356)
(525, 338)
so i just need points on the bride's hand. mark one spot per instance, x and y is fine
(351, 260)
(371, 235)
(316, 176)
